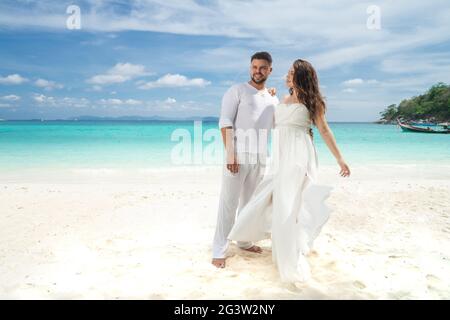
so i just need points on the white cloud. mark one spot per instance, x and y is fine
(349, 90)
(48, 85)
(352, 82)
(13, 79)
(332, 33)
(132, 102)
(111, 101)
(175, 80)
(182, 17)
(423, 63)
(190, 107)
(11, 97)
(69, 102)
(39, 98)
(121, 72)
(406, 78)
(172, 105)
(5, 105)
(43, 99)
(128, 69)
(74, 102)
(103, 79)
(359, 81)
(116, 102)
(388, 43)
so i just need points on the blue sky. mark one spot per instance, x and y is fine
(177, 58)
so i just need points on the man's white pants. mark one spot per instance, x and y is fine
(237, 189)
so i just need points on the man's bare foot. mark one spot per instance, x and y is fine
(255, 249)
(219, 262)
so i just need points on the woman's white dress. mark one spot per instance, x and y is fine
(287, 205)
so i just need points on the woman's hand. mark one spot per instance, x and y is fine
(345, 170)
(272, 91)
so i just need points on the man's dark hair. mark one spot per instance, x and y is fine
(263, 55)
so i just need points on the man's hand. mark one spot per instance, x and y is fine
(232, 164)
(228, 141)
(272, 91)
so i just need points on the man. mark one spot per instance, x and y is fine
(246, 119)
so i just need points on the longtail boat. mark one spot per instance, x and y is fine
(410, 128)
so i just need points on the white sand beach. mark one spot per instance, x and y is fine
(106, 234)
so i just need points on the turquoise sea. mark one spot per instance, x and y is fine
(148, 144)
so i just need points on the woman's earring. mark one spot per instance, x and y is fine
(291, 91)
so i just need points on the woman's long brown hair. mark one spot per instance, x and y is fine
(306, 83)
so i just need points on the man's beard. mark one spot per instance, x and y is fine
(261, 80)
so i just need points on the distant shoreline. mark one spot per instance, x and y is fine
(150, 120)
(124, 118)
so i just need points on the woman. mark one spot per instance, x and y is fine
(288, 205)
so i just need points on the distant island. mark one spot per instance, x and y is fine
(433, 106)
(125, 118)
(139, 118)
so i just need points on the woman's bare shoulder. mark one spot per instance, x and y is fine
(286, 98)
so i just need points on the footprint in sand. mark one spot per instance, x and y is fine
(399, 295)
(359, 284)
(432, 278)
(395, 256)
(313, 254)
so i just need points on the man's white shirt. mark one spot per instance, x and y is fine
(250, 112)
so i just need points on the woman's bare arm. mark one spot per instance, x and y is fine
(328, 137)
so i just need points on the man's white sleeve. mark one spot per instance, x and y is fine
(276, 102)
(230, 102)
